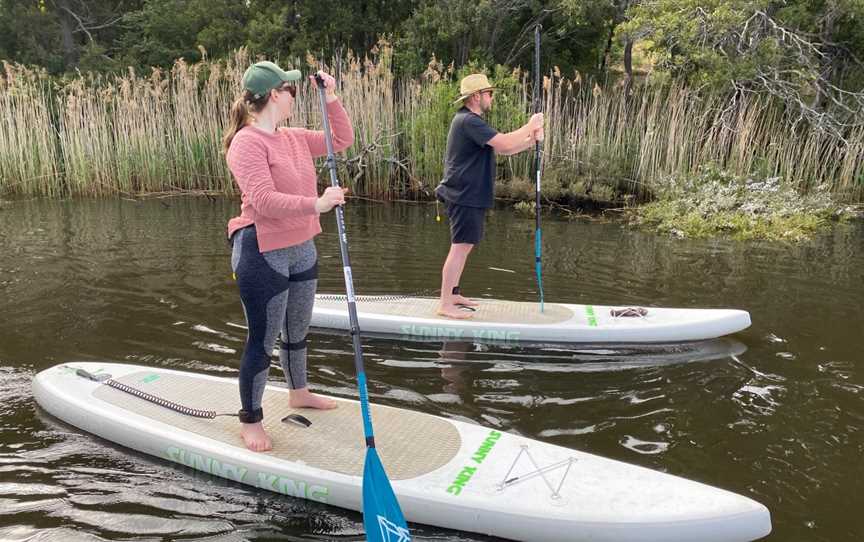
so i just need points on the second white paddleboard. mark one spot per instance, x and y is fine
(517, 321)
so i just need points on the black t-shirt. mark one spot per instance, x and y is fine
(469, 163)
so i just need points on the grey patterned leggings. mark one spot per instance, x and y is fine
(277, 289)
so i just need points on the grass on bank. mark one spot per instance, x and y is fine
(718, 203)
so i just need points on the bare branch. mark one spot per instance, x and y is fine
(807, 73)
(81, 25)
(85, 25)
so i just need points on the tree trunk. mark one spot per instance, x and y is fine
(67, 25)
(628, 66)
(827, 63)
(603, 58)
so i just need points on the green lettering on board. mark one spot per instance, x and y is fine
(464, 476)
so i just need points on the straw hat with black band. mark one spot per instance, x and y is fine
(472, 84)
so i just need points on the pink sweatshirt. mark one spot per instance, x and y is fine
(277, 180)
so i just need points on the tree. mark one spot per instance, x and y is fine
(56, 34)
(500, 32)
(798, 51)
(30, 34)
(280, 28)
(163, 31)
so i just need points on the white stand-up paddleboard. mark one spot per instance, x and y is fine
(512, 321)
(445, 473)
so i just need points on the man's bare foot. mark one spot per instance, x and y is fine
(255, 437)
(452, 311)
(303, 398)
(462, 300)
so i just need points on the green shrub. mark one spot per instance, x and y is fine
(716, 202)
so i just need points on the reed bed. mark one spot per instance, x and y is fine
(138, 134)
(29, 154)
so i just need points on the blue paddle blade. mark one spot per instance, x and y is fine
(382, 516)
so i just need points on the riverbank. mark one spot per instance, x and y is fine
(716, 203)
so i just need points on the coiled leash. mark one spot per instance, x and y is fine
(171, 405)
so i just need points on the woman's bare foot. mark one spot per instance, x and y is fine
(303, 398)
(452, 311)
(255, 437)
(462, 300)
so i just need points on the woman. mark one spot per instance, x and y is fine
(273, 257)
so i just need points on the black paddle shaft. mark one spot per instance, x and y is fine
(538, 93)
(538, 236)
(346, 260)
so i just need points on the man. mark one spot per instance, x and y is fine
(468, 186)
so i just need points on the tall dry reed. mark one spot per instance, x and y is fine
(133, 133)
(29, 154)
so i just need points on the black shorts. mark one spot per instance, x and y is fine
(466, 223)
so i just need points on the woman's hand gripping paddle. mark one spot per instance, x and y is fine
(382, 516)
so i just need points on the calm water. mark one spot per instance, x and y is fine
(776, 413)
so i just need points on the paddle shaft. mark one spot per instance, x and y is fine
(538, 244)
(349, 280)
(382, 515)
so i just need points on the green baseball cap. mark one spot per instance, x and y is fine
(262, 77)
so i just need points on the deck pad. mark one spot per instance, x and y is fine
(489, 310)
(409, 443)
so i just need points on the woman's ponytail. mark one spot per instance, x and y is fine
(237, 119)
